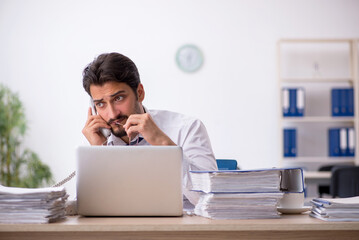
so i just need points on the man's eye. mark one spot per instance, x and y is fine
(118, 98)
(99, 105)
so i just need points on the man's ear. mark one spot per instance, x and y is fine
(140, 92)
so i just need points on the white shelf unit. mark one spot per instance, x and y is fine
(317, 65)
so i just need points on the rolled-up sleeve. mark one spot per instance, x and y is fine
(197, 155)
(190, 134)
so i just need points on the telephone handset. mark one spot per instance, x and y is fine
(105, 132)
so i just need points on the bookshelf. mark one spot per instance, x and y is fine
(317, 66)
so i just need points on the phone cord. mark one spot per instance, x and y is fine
(62, 182)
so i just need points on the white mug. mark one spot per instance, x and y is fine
(292, 200)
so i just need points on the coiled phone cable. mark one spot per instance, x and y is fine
(68, 178)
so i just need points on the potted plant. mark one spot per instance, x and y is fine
(18, 167)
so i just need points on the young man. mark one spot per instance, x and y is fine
(113, 82)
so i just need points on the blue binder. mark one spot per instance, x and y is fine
(343, 102)
(289, 142)
(292, 102)
(300, 102)
(293, 143)
(286, 102)
(343, 142)
(295, 101)
(286, 143)
(335, 102)
(351, 142)
(350, 102)
(334, 142)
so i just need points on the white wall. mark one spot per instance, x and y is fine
(44, 46)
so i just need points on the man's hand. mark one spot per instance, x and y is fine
(92, 129)
(143, 124)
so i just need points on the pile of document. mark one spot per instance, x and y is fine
(238, 205)
(32, 205)
(236, 181)
(336, 209)
(237, 194)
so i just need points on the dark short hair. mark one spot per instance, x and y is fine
(111, 67)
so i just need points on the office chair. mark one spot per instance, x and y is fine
(227, 164)
(345, 181)
(324, 188)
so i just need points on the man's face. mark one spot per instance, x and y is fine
(115, 102)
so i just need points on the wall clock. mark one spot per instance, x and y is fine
(189, 58)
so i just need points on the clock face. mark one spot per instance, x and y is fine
(189, 58)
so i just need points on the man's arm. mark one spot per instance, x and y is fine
(197, 155)
(198, 149)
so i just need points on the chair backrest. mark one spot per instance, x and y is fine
(325, 188)
(326, 168)
(345, 181)
(226, 164)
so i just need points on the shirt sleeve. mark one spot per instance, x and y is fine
(197, 155)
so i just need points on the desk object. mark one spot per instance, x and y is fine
(32, 205)
(186, 227)
(294, 210)
(227, 164)
(336, 209)
(238, 194)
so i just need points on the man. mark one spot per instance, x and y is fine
(113, 82)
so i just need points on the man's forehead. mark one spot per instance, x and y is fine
(108, 89)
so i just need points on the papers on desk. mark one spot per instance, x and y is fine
(238, 194)
(336, 209)
(236, 181)
(32, 205)
(238, 205)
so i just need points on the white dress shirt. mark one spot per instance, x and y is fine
(188, 133)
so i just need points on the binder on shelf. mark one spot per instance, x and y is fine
(350, 100)
(342, 102)
(334, 141)
(285, 101)
(335, 102)
(289, 142)
(351, 142)
(341, 142)
(300, 102)
(293, 102)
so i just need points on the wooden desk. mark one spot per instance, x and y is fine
(187, 227)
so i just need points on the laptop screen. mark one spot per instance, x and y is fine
(129, 180)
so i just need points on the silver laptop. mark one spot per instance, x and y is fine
(129, 181)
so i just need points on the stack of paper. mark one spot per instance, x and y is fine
(32, 205)
(238, 205)
(336, 209)
(236, 181)
(237, 194)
